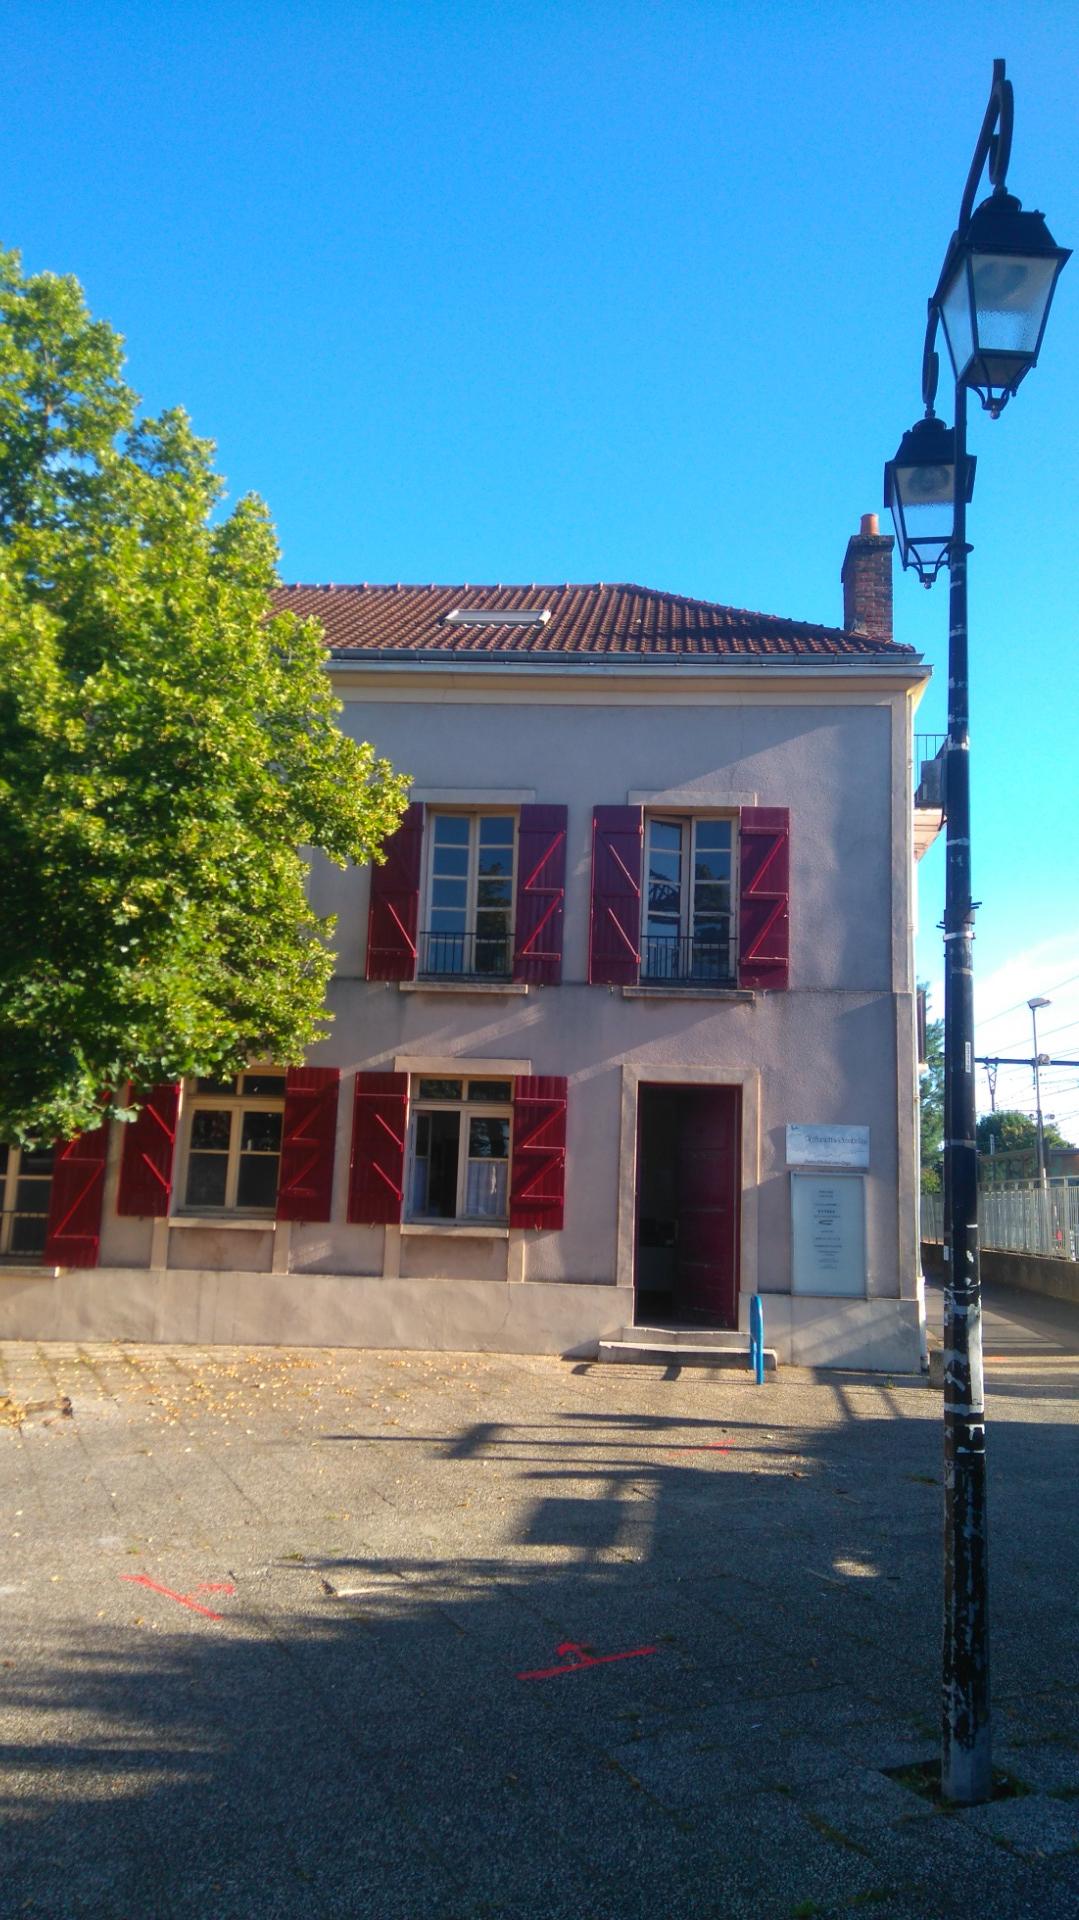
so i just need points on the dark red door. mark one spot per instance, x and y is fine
(708, 1167)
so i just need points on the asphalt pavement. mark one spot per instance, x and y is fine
(439, 1637)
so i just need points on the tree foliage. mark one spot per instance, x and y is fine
(166, 746)
(1011, 1131)
(932, 1106)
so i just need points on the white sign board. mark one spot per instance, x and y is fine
(827, 1146)
(828, 1234)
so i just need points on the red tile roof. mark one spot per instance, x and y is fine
(589, 620)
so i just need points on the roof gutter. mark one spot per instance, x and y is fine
(386, 659)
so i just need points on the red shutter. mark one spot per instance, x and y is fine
(614, 954)
(393, 919)
(377, 1176)
(308, 1140)
(764, 940)
(146, 1164)
(538, 1187)
(541, 894)
(73, 1233)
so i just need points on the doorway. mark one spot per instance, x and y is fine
(688, 1186)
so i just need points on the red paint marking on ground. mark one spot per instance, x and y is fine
(185, 1599)
(586, 1660)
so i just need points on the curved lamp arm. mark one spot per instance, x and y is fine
(995, 146)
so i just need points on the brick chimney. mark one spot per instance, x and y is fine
(867, 581)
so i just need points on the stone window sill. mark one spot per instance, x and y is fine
(455, 1229)
(252, 1223)
(462, 986)
(737, 996)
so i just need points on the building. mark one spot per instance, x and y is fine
(624, 1028)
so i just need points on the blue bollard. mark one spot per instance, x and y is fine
(756, 1338)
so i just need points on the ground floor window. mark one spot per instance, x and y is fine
(25, 1183)
(232, 1135)
(459, 1140)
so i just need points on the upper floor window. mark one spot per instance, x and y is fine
(232, 1134)
(25, 1182)
(460, 1150)
(688, 900)
(468, 927)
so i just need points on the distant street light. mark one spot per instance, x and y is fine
(1039, 1061)
(992, 300)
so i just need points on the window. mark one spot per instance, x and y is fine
(460, 1150)
(688, 899)
(469, 923)
(25, 1181)
(233, 1137)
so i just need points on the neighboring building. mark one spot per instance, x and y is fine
(1021, 1163)
(652, 903)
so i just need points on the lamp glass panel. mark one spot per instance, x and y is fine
(928, 499)
(1011, 294)
(955, 314)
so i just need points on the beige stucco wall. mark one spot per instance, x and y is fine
(836, 1048)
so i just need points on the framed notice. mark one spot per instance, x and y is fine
(828, 1234)
(827, 1146)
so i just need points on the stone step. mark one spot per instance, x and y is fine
(727, 1338)
(656, 1353)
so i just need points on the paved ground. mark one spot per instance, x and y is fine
(392, 1541)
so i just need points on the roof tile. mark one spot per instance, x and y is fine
(621, 619)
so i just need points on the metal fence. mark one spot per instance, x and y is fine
(1021, 1218)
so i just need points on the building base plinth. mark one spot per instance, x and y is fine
(207, 1308)
(868, 1336)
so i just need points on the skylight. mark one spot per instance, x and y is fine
(497, 617)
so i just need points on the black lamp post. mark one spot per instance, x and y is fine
(992, 299)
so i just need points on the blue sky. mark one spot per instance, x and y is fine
(495, 290)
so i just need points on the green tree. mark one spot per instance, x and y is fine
(1011, 1131)
(932, 1107)
(167, 748)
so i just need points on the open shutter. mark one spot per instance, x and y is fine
(614, 952)
(308, 1139)
(394, 915)
(764, 939)
(541, 894)
(538, 1186)
(377, 1175)
(146, 1162)
(73, 1232)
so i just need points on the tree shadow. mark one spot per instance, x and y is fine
(355, 1736)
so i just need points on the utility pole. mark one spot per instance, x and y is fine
(1034, 1004)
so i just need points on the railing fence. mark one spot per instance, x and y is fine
(1021, 1218)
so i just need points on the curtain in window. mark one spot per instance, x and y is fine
(485, 1191)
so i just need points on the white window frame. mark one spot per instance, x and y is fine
(235, 1103)
(468, 1110)
(675, 817)
(473, 815)
(9, 1187)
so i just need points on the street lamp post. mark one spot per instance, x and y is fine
(1040, 1001)
(992, 300)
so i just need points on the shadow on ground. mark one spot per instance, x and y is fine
(353, 1737)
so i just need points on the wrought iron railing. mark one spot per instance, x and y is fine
(690, 961)
(465, 956)
(22, 1235)
(929, 769)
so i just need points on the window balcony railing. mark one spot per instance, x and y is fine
(689, 961)
(465, 956)
(22, 1236)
